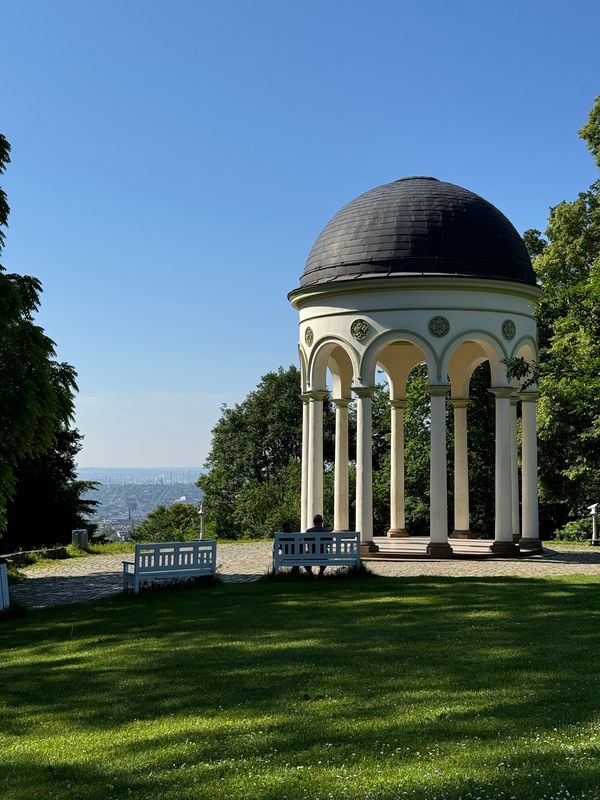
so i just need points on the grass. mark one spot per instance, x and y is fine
(559, 544)
(373, 688)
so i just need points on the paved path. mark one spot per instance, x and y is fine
(89, 578)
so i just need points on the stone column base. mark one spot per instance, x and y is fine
(516, 537)
(505, 549)
(397, 533)
(368, 547)
(439, 550)
(458, 534)
(531, 545)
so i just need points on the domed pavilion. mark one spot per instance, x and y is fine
(419, 271)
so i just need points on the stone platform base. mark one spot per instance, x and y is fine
(417, 548)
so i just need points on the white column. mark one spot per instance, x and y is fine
(438, 486)
(314, 503)
(397, 515)
(461, 470)
(341, 520)
(530, 532)
(503, 536)
(364, 467)
(305, 457)
(514, 469)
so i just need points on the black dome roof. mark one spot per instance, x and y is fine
(418, 226)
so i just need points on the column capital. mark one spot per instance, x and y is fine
(514, 400)
(502, 392)
(460, 402)
(438, 389)
(317, 394)
(397, 403)
(528, 397)
(363, 391)
(341, 402)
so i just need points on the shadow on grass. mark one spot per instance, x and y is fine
(426, 684)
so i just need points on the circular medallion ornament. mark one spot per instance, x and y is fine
(309, 336)
(509, 329)
(439, 326)
(359, 329)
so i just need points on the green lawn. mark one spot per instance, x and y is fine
(373, 688)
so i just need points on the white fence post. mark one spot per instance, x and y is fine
(4, 598)
(594, 512)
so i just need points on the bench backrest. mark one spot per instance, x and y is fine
(174, 555)
(334, 548)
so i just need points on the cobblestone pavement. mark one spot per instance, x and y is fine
(98, 576)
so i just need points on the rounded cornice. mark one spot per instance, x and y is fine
(411, 283)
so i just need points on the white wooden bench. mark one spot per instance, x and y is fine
(316, 550)
(4, 596)
(169, 561)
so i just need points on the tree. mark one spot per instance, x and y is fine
(47, 503)
(567, 263)
(36, 391)
(255, 446)
(179, 522)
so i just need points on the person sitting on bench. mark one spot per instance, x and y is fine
(318, 527)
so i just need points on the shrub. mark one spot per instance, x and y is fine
(575, 531)
(176, 523)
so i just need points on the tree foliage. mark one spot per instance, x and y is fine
(253, 478)
(255, 446)
(47, 503)
(36, 391)
(567, 263)
(179, 522)
(239, 504)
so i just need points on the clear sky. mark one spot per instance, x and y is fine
(174, 161)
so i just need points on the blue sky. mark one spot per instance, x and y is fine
(173, 163)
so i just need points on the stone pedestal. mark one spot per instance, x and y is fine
(530, 545)
(368, 547)
(462, 534)
(397, 533)
(439, 550)
(501, 548)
